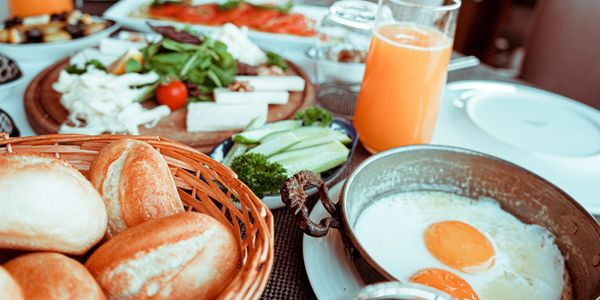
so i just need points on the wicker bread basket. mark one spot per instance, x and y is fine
(204, 185)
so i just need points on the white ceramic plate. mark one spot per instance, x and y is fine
(7, 88)
(54, 50)
(331, 273)
(121, 12)
(553, 136)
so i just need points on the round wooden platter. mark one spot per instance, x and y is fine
(45, 113)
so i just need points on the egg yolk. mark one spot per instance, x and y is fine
(446, 282)
(459, 246)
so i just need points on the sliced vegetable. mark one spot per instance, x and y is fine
(260, 175)
(276, 145)
(330, 137)
(173, 94)
(238, 149)
(255, 135)
(302, 133)
(316, 159)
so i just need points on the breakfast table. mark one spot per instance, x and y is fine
(288, 279)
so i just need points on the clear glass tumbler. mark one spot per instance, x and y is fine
(343, 38)
(405, 75)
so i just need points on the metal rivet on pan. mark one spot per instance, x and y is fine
(573, 228)
(596, 260)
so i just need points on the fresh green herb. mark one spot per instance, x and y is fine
(285, 8)
(261, 176)
(133, 66)
(274, 59)
(207, 65)
(315, 116)
(229, 4)
(161, 2)
(73, 69)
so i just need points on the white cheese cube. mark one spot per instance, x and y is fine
(274, 83)
(227, 96)
(210, 116)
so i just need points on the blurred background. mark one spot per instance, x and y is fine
(492, 30)
(560, 37)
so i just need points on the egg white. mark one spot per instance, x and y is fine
(528, 265)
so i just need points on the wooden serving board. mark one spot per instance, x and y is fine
(45, 113)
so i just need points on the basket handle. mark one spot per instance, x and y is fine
(294, 197)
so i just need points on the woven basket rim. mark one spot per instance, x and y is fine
(191, 170)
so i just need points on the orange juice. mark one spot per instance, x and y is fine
(24, 8)
(405, 74)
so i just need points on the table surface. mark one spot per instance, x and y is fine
(288, 279)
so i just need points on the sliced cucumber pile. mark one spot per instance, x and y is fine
(295, 147)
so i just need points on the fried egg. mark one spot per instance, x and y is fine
(469, 249)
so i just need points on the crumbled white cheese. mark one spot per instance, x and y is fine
(88, 54)
(239, 45)
(99, 102)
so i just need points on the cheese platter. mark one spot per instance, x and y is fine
(208, 115)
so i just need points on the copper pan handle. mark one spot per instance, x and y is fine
(294, 197)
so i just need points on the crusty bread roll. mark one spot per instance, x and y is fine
(46, 204)
(184, 256)
(135, 183)
(47, 275)
(9, 288)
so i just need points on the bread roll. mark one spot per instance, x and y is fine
(48, 275)
(135, 183)
(9, 288)
(46, 204)
(184, 256)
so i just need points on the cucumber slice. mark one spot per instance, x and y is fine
(318, 140)
(316, 159)
(276, 145)
(302, 133)
(238, 149)
(255, 135)
(341, 137)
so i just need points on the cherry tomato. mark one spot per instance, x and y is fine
(173, 94)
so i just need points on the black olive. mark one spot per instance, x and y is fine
(56, 17)
(74, 30)
(34, 35)
(14, 21)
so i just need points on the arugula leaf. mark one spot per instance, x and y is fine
(132, 66)
(285, 8)
(274, 59)
(230, 4)
(161, 2)
(178, 46)
(73, 69)
(207, 65)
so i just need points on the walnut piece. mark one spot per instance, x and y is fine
(241, 86)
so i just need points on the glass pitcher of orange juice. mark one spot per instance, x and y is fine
(405, 73)
(25, 8)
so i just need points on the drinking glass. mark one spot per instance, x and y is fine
(405, 73)
(343, 38)
(24, 8)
